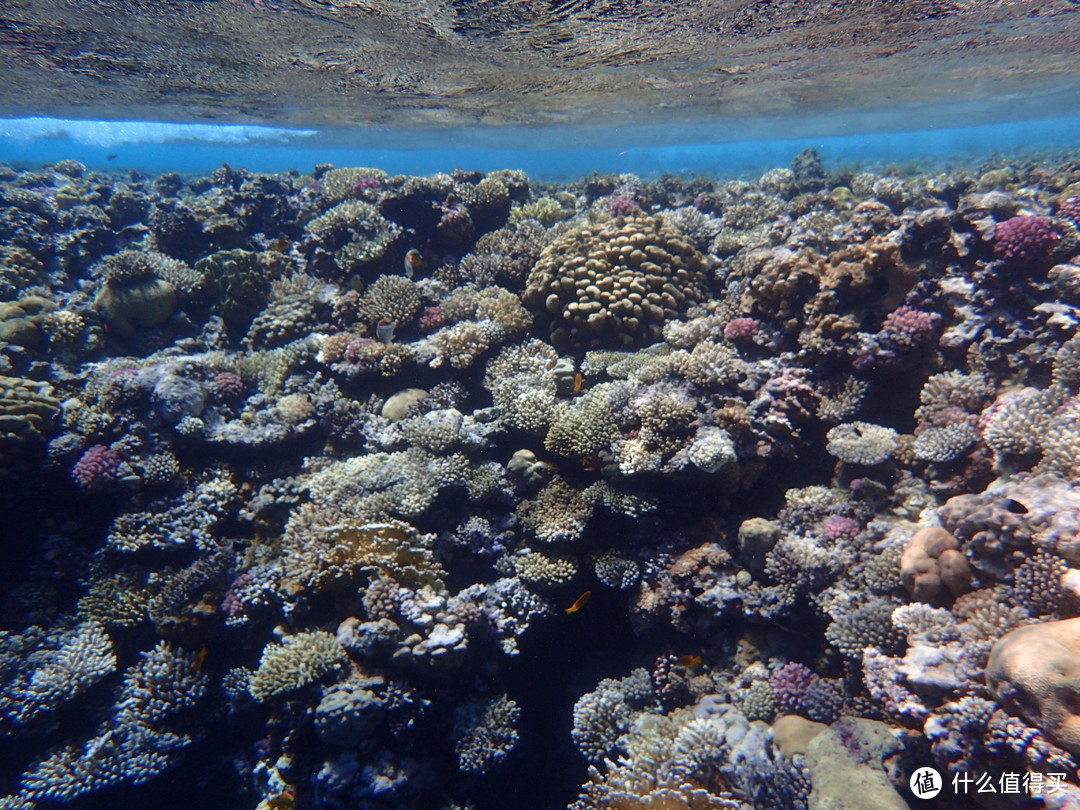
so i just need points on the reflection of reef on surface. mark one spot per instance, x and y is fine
(595, 63)
(298, 503)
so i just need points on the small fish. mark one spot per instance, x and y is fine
(384, 330)
(200, 657)
(280, 245)
(579, 603)
(579, 383)
(689, 661)
(414, 261)
(112, 156)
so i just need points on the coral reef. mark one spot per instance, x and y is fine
(352, 489)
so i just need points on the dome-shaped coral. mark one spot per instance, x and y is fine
(615, 284)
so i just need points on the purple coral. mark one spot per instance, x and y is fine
(909, 327)
(96, 469)
(790, 684)
(741, 330)
(839, 527)
(1070, 210)
(1024, 239)
(622, 207)
(455, 227)
(431, 318)
(227, 387)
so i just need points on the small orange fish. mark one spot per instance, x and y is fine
(579, 603)
(579, 383)
(200, 657)
(414, 261)
(689, 661)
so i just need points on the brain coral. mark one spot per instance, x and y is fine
(615, 284)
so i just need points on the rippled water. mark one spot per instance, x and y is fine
(469, 63)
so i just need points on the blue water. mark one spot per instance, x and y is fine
(546, 154)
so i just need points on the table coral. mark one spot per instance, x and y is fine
(329, 552)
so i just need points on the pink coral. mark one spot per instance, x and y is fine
(366, 184)
(354, 352)
(741, 330)
(431, 318)
(1025, 239)
(622, 207)
(838, 527)
(1070, 210)
(455, 227)
(790, 684)
(96, 469)
(909, 327)
(227, 387)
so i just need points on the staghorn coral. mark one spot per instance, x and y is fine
(347, 182)
(41, 672)
(503, 309)
(616, 284)
(522, 383)
(583, 427)
(557, 514)
(285, 319)
(671, 764)
(544, 570)
(296, 662)
(484, 733)
(863, 628)
(947, 443)
(505, 255)
(377, 486)
(135, 744)
(462, 344)
(390, 298)
(604, 714)
(545, 210)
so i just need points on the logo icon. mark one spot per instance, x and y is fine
(926, 783)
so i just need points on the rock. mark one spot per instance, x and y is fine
(147, 303)
(793, 734)
(847, 767)
(757, 536)
(1035, 673)
(397, 405)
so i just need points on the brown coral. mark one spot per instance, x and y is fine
(391, 298)
(320, 554)
(615, 284)
(933, 563)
